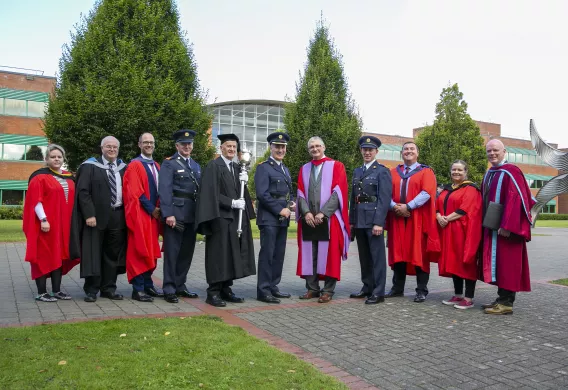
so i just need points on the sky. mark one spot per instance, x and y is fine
(509, 57)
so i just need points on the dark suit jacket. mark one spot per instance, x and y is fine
(93, 193)
(270, 182)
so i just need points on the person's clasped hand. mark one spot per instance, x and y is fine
(238, 204)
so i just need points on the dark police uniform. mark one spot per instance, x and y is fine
(370, 200)
(178, 186)
(273, 192)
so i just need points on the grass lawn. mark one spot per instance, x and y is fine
(193, 353)
(563, 282)
(11, 231)
(552, 223)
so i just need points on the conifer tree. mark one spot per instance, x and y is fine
(323, 107)
(452, 136)
(128, 70)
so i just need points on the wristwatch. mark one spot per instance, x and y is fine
(44, 220)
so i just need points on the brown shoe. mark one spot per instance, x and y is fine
(325, 298)
(310, 294)
(490, 305)
(499, 310)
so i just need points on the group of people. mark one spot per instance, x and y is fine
(108, 218)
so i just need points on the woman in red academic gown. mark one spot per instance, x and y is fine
(458, 213)
(47, 222)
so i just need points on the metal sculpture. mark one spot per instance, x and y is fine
(245, 161)
(556, 159)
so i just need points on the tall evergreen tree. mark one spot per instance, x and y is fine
(323, 107)
(453, 135)
(128, 70)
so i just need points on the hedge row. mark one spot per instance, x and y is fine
(11, 212)
(551, 217)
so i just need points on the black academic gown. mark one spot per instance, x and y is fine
(92, 199)
(226, 256)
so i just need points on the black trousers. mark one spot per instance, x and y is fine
(270, 259)
(312, 281)
(112, 241)
(372, 258)
(469, 286)
(506, 297)
(41, 282)
(399, 278)
(178, 253)
(220, 288)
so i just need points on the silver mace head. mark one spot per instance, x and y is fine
(245, 157)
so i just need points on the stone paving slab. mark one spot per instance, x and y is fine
(394, 345)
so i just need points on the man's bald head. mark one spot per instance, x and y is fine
(495, 151)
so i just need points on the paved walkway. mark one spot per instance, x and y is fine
(395, 345)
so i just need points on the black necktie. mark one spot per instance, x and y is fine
(404, 183)
(112, 184)
(364, 168)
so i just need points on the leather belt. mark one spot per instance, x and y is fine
(365, 199)
(114, 208)
(184, 195)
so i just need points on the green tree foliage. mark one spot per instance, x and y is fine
(128, 70)
(323, 107)
(251, 185)
(453, 135)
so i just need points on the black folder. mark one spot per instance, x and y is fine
(318, 233)
(493, 215)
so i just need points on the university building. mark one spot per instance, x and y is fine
(23, 99)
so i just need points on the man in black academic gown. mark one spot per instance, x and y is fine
(98, 230)
(227, 257)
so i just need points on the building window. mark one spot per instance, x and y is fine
(549, 209)
(11, 152)
(12, 197)
(26, 108)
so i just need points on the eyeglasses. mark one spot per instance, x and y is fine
(109, 147)
(148, 143)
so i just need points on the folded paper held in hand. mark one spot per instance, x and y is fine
(318, 233)
(493, 215)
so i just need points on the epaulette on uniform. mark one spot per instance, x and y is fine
(168, 158)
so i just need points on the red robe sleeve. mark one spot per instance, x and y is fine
(429, 225)
(31, 224)
(471, 203)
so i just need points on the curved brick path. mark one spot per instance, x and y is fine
(397, 345)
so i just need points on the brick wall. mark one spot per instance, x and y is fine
(19, 81)
(21, 125)
(18, 170)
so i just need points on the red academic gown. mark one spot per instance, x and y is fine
(47, 252)
(460, 239)
(413, 240)
(333, 179)
(505, 261)
(143, 249)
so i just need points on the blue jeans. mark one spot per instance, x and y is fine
(142, 281)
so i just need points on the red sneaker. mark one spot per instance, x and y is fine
(463, 305)
(453, 300)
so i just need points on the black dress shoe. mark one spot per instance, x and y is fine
(279, 294)
(269, 299)
(232, 298)
(373, 299)
(360, 294)
(394, 294)
(216, 301)
(171, 298)
(154, 292)
(91, 297)
(186, 294)
(140, 296)
(420, 297)
(112, 295)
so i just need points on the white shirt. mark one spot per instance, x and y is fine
(152, 169)
(367, 166)
(228, 163)
(118, 182)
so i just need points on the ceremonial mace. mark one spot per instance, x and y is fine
(244, 162)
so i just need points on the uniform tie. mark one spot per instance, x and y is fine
(112, 184)
(364, 168)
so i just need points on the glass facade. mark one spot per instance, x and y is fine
(26, 108)
(11, 152)
(250, 121)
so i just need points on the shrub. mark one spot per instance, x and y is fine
(11, 212)
(552, 217)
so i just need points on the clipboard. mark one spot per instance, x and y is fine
(493, 215)
(318, 233)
